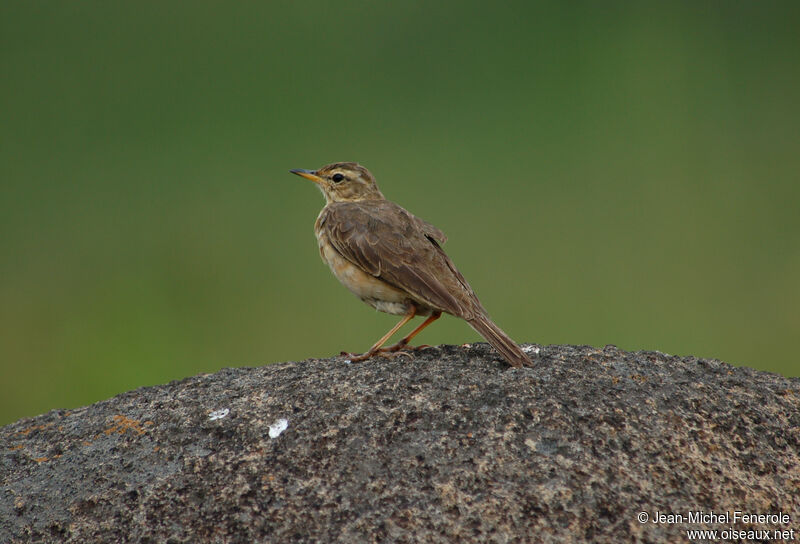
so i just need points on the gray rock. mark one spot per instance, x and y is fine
(448, 444)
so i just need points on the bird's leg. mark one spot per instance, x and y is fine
(376, 347)
(404, 342)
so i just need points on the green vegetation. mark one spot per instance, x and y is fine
(620, 173)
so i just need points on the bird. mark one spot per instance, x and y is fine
(394, 261)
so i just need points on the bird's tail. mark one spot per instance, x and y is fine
(500, 341)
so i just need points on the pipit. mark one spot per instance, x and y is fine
(393, 261)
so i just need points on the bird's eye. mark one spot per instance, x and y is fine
(337, 178)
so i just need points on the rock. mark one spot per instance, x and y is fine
(446, 444)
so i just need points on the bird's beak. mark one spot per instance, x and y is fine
(308, 174)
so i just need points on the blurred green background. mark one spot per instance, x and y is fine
(607, 172)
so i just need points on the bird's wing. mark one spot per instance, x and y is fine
(389, 243)
(429, 230)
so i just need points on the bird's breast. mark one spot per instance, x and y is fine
(375, 292)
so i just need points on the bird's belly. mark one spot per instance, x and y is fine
(375, 292)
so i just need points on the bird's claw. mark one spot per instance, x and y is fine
(387, 353)
(355, 357)
(393, 354)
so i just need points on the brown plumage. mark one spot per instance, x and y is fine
(393, 260)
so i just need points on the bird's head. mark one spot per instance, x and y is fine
(343, 182)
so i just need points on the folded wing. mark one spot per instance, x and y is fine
(390, 243)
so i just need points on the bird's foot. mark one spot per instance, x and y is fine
(393, 354)
(355, 357)
(402, 346)
(383, 352)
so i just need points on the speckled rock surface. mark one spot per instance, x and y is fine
(447, 445)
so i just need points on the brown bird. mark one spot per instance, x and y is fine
(393, 261)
